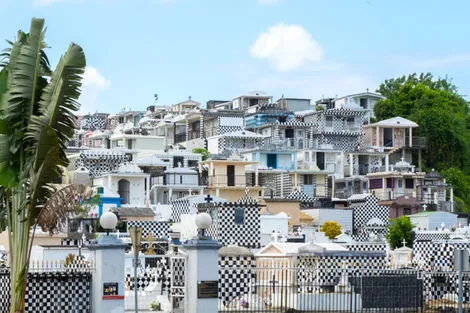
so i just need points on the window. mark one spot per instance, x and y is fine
(363, 103)
(400, 183)
(181, 179)
(329, 121)
(376, 183)
(350, 121)
(239, 216)
(389, 182)
(409, 183)
(309, 179)
(406, 211)
(307, 157)
(99, 190)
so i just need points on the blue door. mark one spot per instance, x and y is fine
(272, 160)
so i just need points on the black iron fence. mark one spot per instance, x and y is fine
(333, 290)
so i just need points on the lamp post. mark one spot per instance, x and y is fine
(136, 237)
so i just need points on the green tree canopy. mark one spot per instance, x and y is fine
(205, 154)
(332, 229)
(400, 228)
(438, 110)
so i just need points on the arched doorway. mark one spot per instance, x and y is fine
(124, 191)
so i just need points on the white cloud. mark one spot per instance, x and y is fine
(287, 47)
(92, 85)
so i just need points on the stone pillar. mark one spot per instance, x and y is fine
(386, 163)
(108, 279)
(377, 137)
(201, 274)
(451, 196)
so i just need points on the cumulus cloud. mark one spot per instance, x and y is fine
(287, 47)
(92, 85)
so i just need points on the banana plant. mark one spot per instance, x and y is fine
(37, 107)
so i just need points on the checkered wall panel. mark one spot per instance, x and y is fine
(236, 274)
(51, 292)
(226, 231)
(363, 212)
(158, 229)
(178, 208)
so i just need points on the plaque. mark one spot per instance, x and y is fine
(110, 289)
(208, 289)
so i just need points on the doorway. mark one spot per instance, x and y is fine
(271, 160)
(230, 175)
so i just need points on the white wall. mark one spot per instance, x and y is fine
(343, 217)
(149, 143)
(284, 160)
(137, 188)
(213, 145)
(174, 179)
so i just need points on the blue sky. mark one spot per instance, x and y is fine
(218, 49)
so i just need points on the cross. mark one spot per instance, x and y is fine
(424, 207)
(404, 242)
(208, 198)
(367, 89)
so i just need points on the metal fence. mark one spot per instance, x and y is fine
(314, 290)
(53, 287)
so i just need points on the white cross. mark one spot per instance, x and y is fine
(404, 242)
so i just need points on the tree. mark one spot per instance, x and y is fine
(37, 120)
(444, 120)
(438, 110)
(332, 229)
(205, 154)
(400, 228)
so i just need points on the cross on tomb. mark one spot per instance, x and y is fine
(208, 199)
(404, 242)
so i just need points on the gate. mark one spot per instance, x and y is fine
(160, 282)
(304, 289)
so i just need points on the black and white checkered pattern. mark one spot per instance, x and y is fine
(98, 162)
(235, 276)
(431, 236)
(178, 208)
(158, 229)
(364, 210)
(437, 255)
(225, 230)
(51, 292)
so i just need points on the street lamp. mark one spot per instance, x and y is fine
(203, 221)
(136, 237)
(108, 221)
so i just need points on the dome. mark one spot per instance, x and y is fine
(311, 248)
(433, 175)
(234, 250)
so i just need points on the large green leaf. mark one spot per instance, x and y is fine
(59, 101)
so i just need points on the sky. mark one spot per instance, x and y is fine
(220, 49)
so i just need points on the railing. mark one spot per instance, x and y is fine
(180, 137)
(194, 135)
(306, 289)
(417, 142)
(227, 181)
(287, 144)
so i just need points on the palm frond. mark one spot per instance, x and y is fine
(61, 205)
(27, 74)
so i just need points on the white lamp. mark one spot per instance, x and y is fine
(203, 221)
(108, 221)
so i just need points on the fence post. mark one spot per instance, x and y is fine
(108, 277)
(460, 264)
(201, 272)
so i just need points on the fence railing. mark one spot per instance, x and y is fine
(310, 289)
(227, 181)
